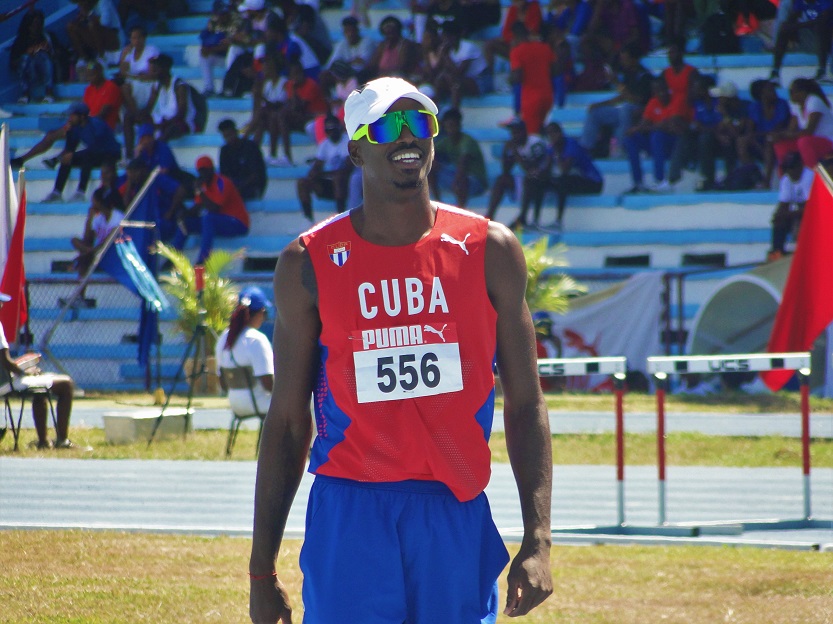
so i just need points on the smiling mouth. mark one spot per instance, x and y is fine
(407, 157)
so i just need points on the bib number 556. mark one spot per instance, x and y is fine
(409, 374)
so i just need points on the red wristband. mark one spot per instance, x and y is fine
(262, 577)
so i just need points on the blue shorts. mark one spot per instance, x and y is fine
(399, 553)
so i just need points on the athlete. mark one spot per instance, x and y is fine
(392, 316)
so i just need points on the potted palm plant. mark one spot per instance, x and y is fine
(213, 306)
(545, 291)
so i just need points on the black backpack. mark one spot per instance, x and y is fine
(717, 35)
(200, 107)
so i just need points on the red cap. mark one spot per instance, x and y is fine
(204, 162)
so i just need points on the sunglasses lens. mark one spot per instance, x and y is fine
(423, 125)
(388, 127)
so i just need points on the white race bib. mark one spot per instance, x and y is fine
(409, 361)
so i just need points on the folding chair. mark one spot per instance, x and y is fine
(241, 378)
(8, 391)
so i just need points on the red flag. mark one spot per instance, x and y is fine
(807, 303)
(15, 313)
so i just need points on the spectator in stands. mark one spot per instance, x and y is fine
(526, 12)
(345, 82)
(218, 210)
(330, 171)
(162, 204)
(215, 41)
(459, 165)
(141, 12)
(809, 24)
(811, 128)
(171, 110)
(242, 43)
(734, 123)
(618, 114)
(463, 71)
(268, 100)
(100, 145)
(529, 152)
(306, 24)
(793, 192)
(701, 136)
(243, 344)
(596, 73)
(571, 171)
(532, 63)
(662, 122)
(60, 386)
(569, 19)
(103, 217)
(304, 101)
(242, 162)
(136, 79)
(109, 185)
(156, 152)
(95, 32)
(395, 55)
(103, 97)
(679, 74)
(31, 59)
(613, 24)
(769, 114)
(352, 49)
(279, 42)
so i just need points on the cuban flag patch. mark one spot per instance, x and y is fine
(339, 252)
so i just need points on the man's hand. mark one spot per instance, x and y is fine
(269, 602)
(529, 580)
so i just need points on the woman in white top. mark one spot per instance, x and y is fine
(134, 67)
(242, 344)
(811, 128)
(269, 98)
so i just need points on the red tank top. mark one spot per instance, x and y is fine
(406, 384)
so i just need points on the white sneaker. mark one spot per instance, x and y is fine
(4, 114)
(663, 187)
(78, 196)
(23, 99)
(280, 161)
(53, 198)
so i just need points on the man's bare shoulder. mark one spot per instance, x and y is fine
(294, 275)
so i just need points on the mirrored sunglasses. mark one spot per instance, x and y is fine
(386, 129)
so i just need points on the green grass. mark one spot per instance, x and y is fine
(86, 577)
(683, 449)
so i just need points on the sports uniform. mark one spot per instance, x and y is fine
(404, 404)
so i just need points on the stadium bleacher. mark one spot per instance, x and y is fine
(667, 228)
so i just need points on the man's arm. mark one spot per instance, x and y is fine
(287, 430)
(526, 423)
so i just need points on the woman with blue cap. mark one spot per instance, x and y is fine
(243, 344)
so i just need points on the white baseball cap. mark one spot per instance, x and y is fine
(368, 103)
(727, 89)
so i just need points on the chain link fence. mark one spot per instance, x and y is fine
(96, 339)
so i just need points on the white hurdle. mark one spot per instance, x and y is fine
(616, 367)
(661, 367)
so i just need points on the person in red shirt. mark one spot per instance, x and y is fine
(304, 102)
(524, 12)
(679, 75)
(103, 96)
(220, 211)
(532, 63)
(663, 120)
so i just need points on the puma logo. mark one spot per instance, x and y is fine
(447, 238)
(439, 332)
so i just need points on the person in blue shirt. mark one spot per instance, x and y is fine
(100, 146)
(155, 152)
(572, 171)
(769, 114)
